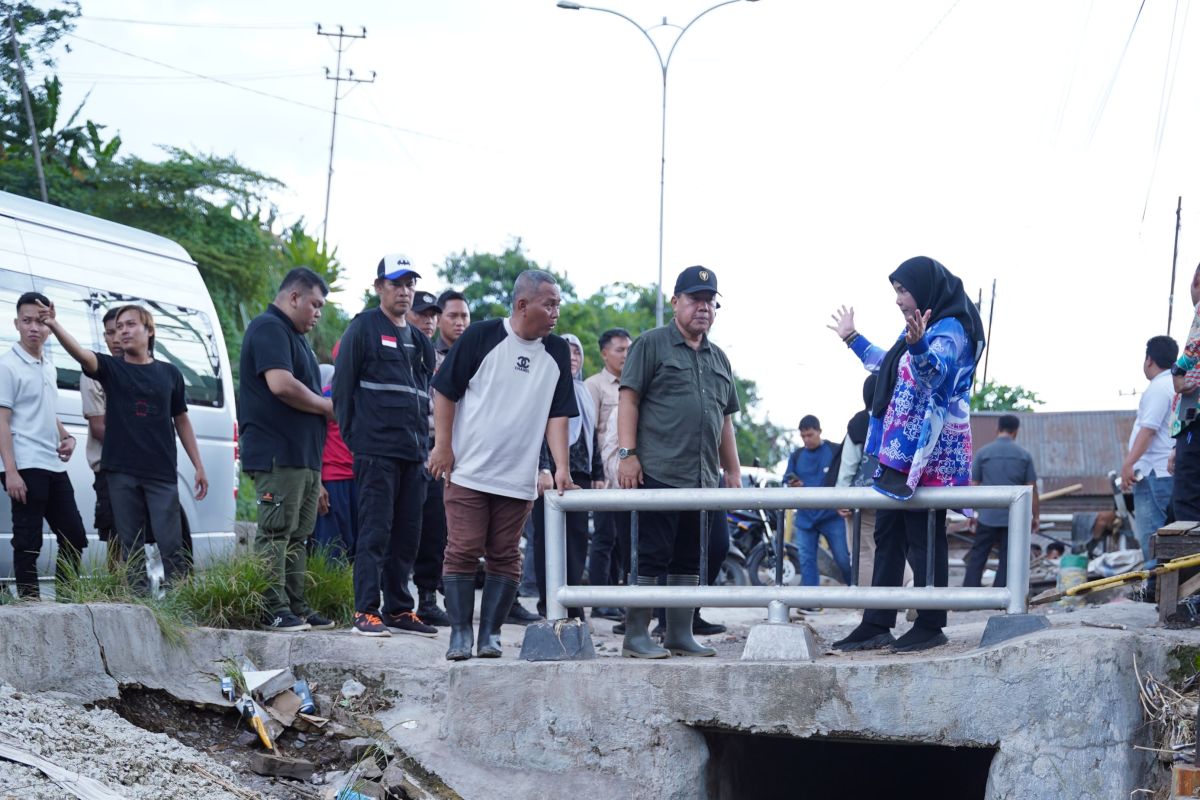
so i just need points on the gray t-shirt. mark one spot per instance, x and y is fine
(1001, 463)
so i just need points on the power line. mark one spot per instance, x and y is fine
(246, 26)
(260, 92)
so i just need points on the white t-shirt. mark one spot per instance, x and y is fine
(506, 389)
(29, 387)
(1154, 412)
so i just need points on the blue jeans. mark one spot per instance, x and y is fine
(1151, 501)
(834, 531)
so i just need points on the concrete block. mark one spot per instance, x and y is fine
(278, 766)
(1002, 627)
(774, 641)
(562, 640)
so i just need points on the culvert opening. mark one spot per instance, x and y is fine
(764, 767)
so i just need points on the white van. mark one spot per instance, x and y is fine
(86, 266)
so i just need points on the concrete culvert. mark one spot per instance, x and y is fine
(765, 767)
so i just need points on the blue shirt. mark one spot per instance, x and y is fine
(812, 467)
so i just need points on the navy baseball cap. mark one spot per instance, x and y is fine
(423, 301)
(395, 266)
(696, 279)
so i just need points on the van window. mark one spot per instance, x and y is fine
(73, 309)
(183, 337)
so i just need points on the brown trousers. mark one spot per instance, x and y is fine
(479, 524)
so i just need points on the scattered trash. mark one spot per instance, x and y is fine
(227, 688)
(307, 706)
(352, 689)
(1113, 626)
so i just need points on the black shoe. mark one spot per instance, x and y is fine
(408, 622)
(918, 639)
(519, 615)
(430, 613)
(702, 627)
(608, 613)
(619, 629)
(865, 637)
(317, 622)
(287, 621)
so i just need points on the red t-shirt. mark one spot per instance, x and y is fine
(337, 463)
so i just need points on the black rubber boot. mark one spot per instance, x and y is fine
(429, 612)
(678, 638)
(637, 642)
(499, 594)
(460, 607)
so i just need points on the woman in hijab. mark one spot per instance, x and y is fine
(919, 429)
(587, 470)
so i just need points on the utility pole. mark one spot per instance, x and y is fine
(33, 134)
(988, 350)
(1174, 262)
(344, 41)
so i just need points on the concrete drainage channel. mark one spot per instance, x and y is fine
(1055, 715)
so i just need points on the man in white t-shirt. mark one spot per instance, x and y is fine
(1144, 471)
(94, 406)
(504, 386)
(35, 449)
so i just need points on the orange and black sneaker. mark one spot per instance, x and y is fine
(369, 625)
(408, 622)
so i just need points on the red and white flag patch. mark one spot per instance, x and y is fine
(387, 341)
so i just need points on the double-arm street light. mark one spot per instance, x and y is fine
(664, 63)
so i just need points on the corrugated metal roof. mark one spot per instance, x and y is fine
(1067, 446)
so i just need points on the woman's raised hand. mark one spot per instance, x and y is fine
(914, 326)
(843, 322)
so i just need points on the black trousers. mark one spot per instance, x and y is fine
(1185, 496)
(577, 545)
(391, 492)
(985, 537)
(139, 505)
(608, 553)
(49, 496)
(669, 541)
(900, 535)
(427, 572)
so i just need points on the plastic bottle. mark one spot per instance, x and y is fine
(1072, 571)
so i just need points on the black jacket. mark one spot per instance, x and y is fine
(381, 388)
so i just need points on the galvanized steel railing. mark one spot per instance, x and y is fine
(1011, 598)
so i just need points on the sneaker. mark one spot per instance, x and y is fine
(520, 615)
(615, 614)
(287, 622)
(408, 622)
(619, 629)
(369, 625)
(319, 623)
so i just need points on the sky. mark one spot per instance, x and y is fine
(810, 148)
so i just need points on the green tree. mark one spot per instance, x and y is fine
(992, 396)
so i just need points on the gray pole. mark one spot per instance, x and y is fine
(337, 79)
(33, 134)
(1174, 263)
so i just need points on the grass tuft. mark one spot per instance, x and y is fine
(330, 586)
(226, 594)
(93, 582)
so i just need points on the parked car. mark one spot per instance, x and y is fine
(85, 266)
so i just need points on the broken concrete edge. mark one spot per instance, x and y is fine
(558, 640)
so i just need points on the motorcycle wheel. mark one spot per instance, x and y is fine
(760, 564)
(732, 574)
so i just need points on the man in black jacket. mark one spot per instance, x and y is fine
(381, 399)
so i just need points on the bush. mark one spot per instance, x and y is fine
(226, 594)
(330, 586)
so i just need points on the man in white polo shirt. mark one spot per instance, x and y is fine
(504, 386)
(1144, 471)
(35, 448)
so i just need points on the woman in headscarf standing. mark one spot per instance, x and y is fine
(587, 470)
(920, 431)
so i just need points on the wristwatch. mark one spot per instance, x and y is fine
(1178, 371)
(625, 452)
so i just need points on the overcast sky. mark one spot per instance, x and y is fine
(810, 149)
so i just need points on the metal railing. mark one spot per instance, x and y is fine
(1011, 598)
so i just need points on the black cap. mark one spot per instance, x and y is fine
(696, 279)
(423, 301)
(395, 266)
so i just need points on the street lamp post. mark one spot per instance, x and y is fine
(663, 63)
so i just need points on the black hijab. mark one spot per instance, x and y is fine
(935, 289)
(857, 429)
